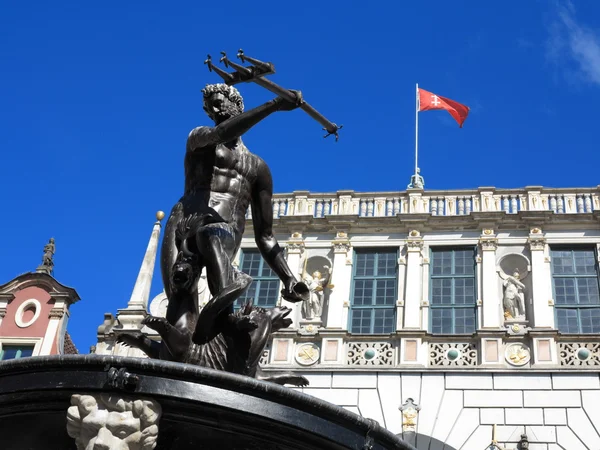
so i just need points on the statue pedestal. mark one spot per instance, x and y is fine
(310, 327)
(517, 327)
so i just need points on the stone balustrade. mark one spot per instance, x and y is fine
(437, 203)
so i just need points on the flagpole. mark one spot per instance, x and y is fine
(417, 130)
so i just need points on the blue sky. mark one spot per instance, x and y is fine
(97, 99)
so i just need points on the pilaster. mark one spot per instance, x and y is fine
(492, 310)
(295, 249)
(413, 289)
(341, 278)
(543, 306)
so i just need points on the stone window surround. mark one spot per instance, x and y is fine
(36, 342)
(19, 313)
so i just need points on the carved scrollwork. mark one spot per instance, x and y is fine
(341, 246)
(295, 247)
(56, 313)
(537, 243)
(490, 244)
(414, 245)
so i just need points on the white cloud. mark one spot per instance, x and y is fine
(573, 41)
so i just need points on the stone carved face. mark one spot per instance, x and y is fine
(108, 422)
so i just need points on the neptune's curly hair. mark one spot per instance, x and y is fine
(228, 91)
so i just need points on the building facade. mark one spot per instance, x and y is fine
(34, 313)
(457, 318)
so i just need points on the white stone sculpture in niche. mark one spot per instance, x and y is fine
(317, 276)
(111, 421)
(513, 268)
(514, 297)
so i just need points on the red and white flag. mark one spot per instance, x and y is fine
(429, 101)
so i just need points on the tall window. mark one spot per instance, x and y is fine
(264, 290)
(575, 281)
(15, 351)
(452, 294)
(374, 292)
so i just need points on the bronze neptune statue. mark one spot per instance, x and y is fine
(204, 230)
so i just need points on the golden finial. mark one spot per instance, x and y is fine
(160, 215)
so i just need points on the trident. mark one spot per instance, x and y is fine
(256, 74)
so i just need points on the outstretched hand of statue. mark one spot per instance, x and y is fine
(284, 105)
(296, 291)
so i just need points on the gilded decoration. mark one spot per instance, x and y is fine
(517, 354)
(410, 413)
(307, 354)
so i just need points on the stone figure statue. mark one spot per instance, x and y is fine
(204, 230)
(313, 308)
(416, 181)
(107, 421)
(514, 298)
(48, 257)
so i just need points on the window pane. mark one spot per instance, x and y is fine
(587, 291)
(441, 291)
(16, 351)
(565, 291)
(361, 321)
(386, 292)
(584, 262)
(441, 320)
(562, 262)
(464, 320)
(386, 264)
(365, 264)
(384, 321)
(464, 263)
(251, 263)
(566, 320)
(267, 293)
(590, 320)
(363, 292)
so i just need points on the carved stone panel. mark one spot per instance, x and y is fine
(579, 354)
(452, 354)
(370, 354)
